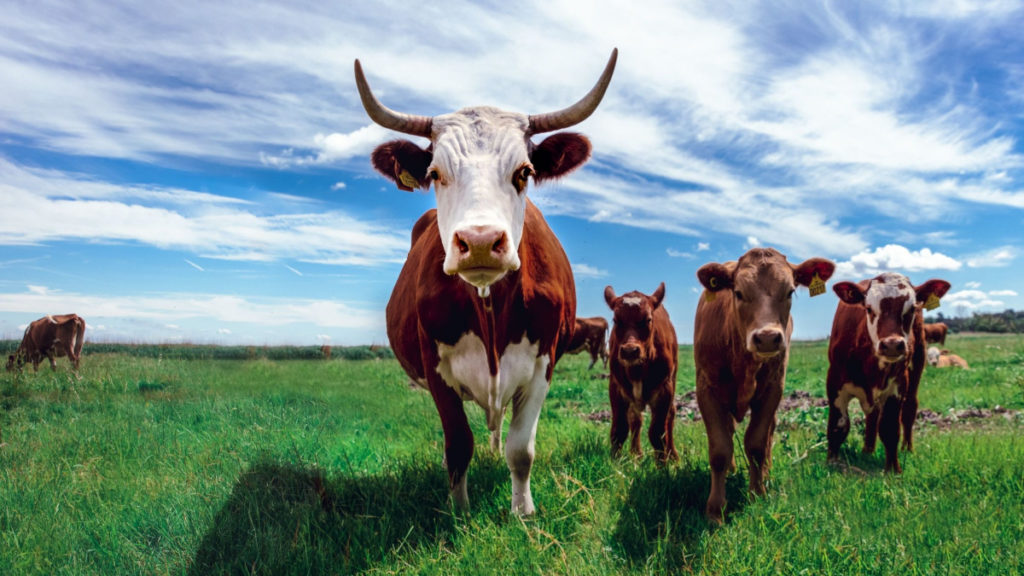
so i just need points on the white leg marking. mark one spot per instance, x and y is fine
(522, 434)
(848, 392)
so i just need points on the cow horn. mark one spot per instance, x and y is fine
(388, 118)
(579, 111)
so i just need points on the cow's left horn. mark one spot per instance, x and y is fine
(388, 118)
(579, 111)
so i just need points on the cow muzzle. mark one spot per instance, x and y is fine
(481, 255)
(892, 349)
(630, 354)
(766, 342)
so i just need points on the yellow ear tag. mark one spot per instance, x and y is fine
(408, 179)
(932, 302)
(709, 294)
(817, 286)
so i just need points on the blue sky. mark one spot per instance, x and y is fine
(199, 172)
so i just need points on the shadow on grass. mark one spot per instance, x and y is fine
(283, 519)
(663, 514)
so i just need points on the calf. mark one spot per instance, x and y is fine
(642, 366)
(876, 354)
(740, 348)
(590, 336)
(50, 337)
(935, 333)
(945, 359)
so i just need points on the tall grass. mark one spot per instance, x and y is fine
(157, 464)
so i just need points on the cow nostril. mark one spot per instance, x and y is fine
(499, 244)
(777, 340)
(461, 244)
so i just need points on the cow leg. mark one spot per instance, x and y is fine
(522, 434)
(635, 416)
(838, 427)
(593, 360)
(908, 415)
(757, 441)
(889, 431)
(871, 429)
(620, 407)
(663, 418)
(458, 439)
(719, 425)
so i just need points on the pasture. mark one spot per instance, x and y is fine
(173, 464)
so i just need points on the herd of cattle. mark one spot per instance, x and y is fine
(485, 305)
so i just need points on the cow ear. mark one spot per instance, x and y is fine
(658, 296)
(609, 296)
(936, 288)
(559, 154)
(404, 163)
(849, 292)
(714, 276)
(805, 272)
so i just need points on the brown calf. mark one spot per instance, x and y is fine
(643, 359)
(590, 336)
(935, 333)
(50, 336)
(740, 348)
(876, 354)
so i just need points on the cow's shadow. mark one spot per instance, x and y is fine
(281, 518)
(664, 509)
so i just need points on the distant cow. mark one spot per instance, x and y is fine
(50, 336)
(740, 349)
(590, 336)
(325, 351)
(935, 333)
(642, 365)
(945, 359)
(485, 303)
(876, 354)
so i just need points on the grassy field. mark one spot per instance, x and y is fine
(161, 464)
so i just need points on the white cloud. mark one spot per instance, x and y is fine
(752, 242)
(893, 258)
(972, 284)
(587, 271)
(994, 258)
(41, 290)
(294, 271)
(332, 148)
(673, 253)
(702, 246)
(339, 186)
(965, 301)
(194, 265)
(998, 293)
(224, 331)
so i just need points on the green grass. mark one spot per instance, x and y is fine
(192, 464)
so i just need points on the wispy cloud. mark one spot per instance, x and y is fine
(895, 258)
(994, 258)
(294, 271)
(194, 265)
(587, 271)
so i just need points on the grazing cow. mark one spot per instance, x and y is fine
(740, 349)
(945, 359)
(589, 335)
(876, 354)
(51, 336)
(485, 303)
(325, 351)
(936, 333)
(643, 360)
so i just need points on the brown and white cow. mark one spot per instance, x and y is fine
(590, 335)
(945, 359)
(485, 303)
(876, 354)
(740, 349)
(935, 333)
(51, 336)
(642, 365)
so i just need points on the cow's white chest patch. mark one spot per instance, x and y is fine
(848, 392)
(464, 368)
(891, 389)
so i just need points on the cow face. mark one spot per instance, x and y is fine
(480, 160)
(634, 323)
(890, 303)
(762, 284)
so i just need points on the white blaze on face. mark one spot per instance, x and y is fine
(888, 285)
(632, 300)
(476, 154)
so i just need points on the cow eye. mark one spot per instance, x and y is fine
(789, 295)
(521, 176)
(434, 174)
(738, 294)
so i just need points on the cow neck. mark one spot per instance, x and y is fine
(485, 311)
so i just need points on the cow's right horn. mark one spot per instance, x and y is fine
(386, 117)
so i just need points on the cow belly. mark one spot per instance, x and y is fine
(464, 368)
(849, 391)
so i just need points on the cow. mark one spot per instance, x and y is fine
(935, 333)
(51, 336)
(590, 336)
(741, 341)
(485, 303)
(325, 351)
(945, 358)
(876, 354)
(642, 364)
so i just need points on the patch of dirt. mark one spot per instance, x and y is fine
(801, 400)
